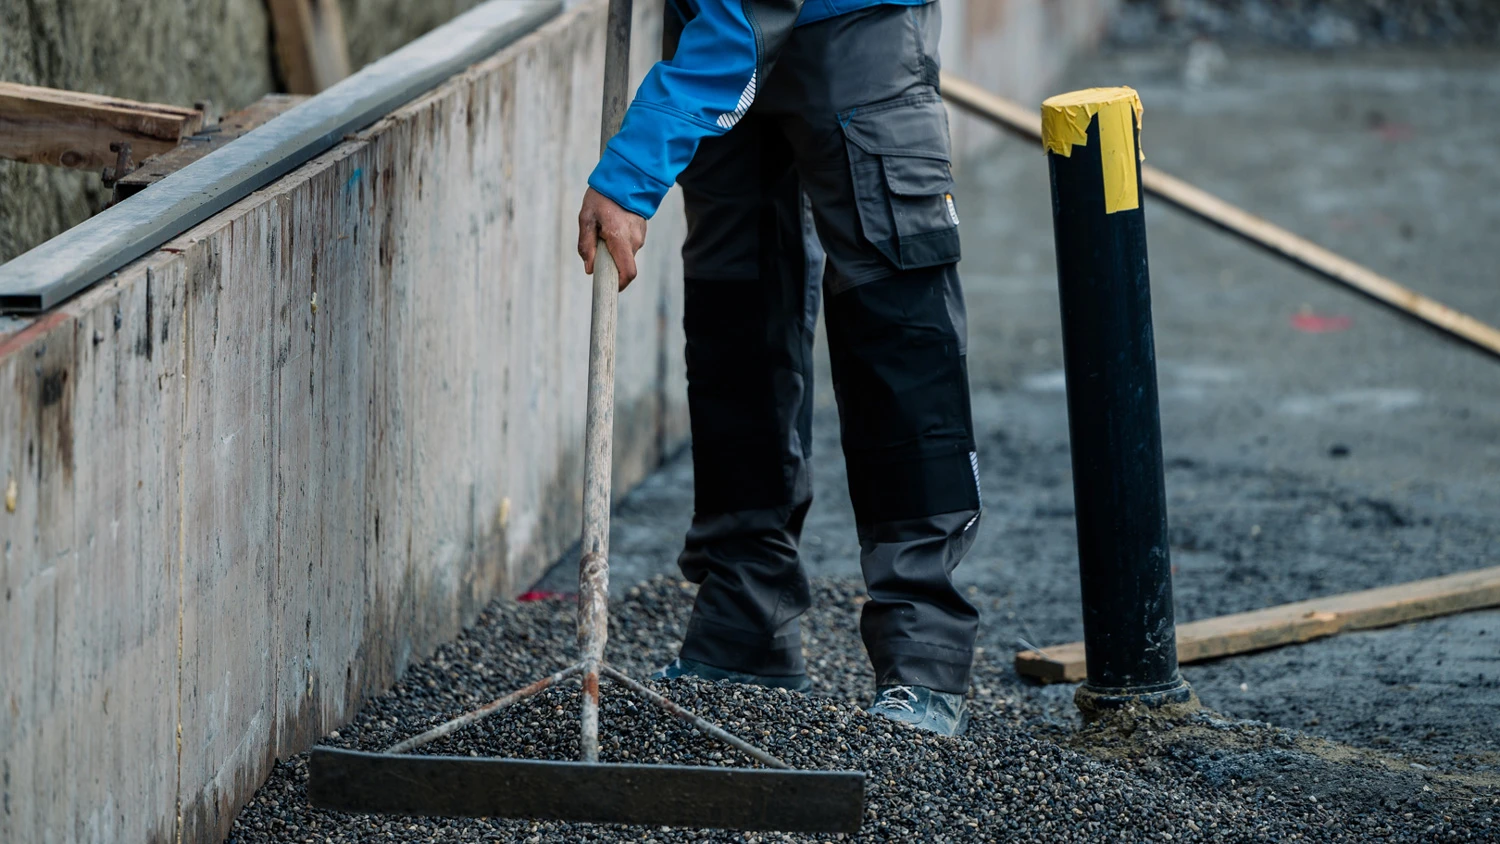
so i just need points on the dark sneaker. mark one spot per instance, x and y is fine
(688, 668)
(940, 712)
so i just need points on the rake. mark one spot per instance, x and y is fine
(775, 797)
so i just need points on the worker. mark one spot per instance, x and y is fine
(810, 138)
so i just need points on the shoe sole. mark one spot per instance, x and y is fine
(963, 724)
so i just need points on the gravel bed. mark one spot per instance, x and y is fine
(1308, 23)
(1019, 772)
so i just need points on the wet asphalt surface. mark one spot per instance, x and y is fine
(1299, 463)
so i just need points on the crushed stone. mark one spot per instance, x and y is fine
(1018, 772)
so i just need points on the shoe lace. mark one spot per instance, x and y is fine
(897, 697)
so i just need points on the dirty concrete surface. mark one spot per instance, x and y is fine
(1300, 463)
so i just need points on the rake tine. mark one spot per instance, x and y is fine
(697, 723)
(483, 712)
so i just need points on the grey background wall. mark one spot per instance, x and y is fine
(252, 477)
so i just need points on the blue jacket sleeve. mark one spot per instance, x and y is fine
(703, 90)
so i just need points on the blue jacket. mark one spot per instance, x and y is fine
(725, 49)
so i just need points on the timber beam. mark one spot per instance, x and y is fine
(1290, 624)
(76, 130)
(311, 50)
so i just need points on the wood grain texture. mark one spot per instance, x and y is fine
(1288, 624)
(325, 428)
(73, 129)
(312, 52)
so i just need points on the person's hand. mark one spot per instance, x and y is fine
(623, 233)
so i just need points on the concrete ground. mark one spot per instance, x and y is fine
(1299, 463)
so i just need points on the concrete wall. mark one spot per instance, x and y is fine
(258, 473)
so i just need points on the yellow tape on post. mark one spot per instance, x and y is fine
(1065, 124)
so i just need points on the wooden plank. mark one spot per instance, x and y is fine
(1289, 624)
(310, 45)
(73, 129)
(195, 146)
(1258, 232)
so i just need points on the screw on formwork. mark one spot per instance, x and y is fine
(210, 112)
(122, 167)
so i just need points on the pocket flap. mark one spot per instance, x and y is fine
(913, 126)
(908, 176)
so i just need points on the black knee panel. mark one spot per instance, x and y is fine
(747, 393)
(903, 389)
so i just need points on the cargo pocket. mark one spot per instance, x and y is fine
(903, 184)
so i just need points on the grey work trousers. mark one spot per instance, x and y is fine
(849, 133)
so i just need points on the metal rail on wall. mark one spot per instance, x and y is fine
(87, 253)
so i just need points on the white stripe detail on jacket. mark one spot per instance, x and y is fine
(747, 96)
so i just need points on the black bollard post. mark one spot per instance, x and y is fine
(1092, 141)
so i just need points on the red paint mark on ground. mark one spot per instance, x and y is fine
(1319, 324)
(1396, 132)
(541, 595)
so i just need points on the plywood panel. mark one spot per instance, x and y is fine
(229, 514)
(35, 785)
(89, 637)
(121, 757)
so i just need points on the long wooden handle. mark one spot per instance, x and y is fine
(598, 448)
(599, 425)
(1268, 236)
